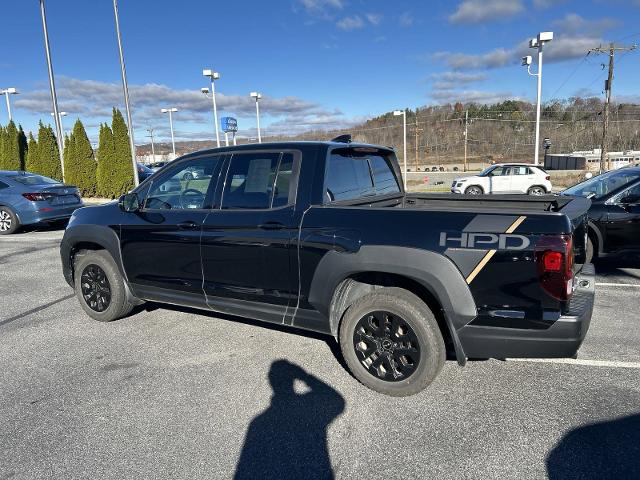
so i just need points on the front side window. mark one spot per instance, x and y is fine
(258, 181)
(184, 186)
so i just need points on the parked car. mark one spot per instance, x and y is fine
(157, 165)
(614, 216)
(144, 172)
(505, 178)
(27, 198)
(321, 236)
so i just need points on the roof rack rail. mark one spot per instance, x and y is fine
(342, 138)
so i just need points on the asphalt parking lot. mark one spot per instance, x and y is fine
(170, 393)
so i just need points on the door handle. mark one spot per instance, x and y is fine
(271, 226)
(189, 225)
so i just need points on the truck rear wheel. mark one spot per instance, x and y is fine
(391, 342)
(99, 286)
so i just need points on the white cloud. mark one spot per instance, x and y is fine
(564, 47)
(374, 18)
(575, 24)
(406, 19)
(477, 11)
(548, 3)
(93, 100)
(314, 6)
(452, 80)
(471, 96)
(351, 23)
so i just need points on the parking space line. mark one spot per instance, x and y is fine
(603, 284)
(578, 361)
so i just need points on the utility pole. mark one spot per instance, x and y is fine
(417, 131)
(466, 132)
(153, 147)
(611, 51)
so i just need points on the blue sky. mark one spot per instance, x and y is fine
(318, 63)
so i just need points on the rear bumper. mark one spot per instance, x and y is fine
(42, 215)
(561, 340)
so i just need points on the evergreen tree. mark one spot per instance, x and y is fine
(22, 146)
(105, 154)
(31, 159)
(79, 162)
(3, 134)
(122, 172)
(11, 148)
(48, 159)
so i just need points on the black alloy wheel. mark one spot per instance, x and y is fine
(96, 290)
(386, 346)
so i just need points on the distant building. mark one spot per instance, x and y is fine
(159, 157)
(589, 159)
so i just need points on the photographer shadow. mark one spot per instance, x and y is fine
(289, 439)
(607, 450)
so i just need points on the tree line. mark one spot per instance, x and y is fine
(105, 172)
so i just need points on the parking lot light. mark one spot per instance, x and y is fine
(207, 72)
(257, 96)
(170, 111)
(6, 92)
(397, 113)
(537, 43)
(61, 114)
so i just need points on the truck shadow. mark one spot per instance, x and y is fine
(328, 339)
(289, 439)
(607, 450)
(618, 267)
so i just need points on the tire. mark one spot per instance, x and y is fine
(474, 190)
(187, 177)
(89, 267)
(9, 222)
(392, 310)
(537, 190)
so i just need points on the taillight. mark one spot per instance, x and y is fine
(38, 196)
(548, 177)
(554, 260)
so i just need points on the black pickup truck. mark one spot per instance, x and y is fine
(321, 236)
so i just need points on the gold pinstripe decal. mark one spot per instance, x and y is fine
(491, 253)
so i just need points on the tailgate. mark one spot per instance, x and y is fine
(577, 210)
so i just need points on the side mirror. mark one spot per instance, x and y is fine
(129, 202)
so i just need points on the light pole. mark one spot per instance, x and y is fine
(538, 43)
(125, 89)
(257, 96)
(170, 112)
(52, 86)
(153, 147)
(6, 92)
(213, 76)
(61, 114)
(404, 153)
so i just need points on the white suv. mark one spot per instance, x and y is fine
(505, 178)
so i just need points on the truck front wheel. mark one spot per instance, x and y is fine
(99, 286)
(391, 342)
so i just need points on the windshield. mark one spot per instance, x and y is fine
(602, 185)
(486, 171)
(33, 180)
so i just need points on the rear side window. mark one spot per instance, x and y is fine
(521, 171)
(258, 181)
(352, 175)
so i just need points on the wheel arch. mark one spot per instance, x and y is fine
(596, 234)
(341, 279)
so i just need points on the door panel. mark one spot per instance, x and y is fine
(500, 180)
(161, 243)
(246, 243)
(623, 222)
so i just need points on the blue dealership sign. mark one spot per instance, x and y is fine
(229, 124)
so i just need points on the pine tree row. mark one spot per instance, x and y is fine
(105, 173)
